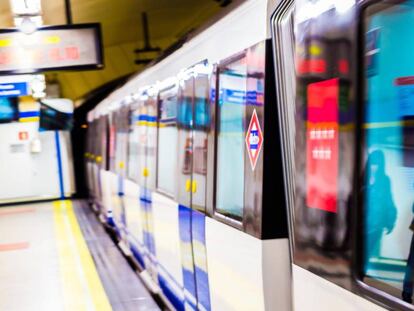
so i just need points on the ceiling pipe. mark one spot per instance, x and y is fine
(147, 44)
(224, 3)
(68, 12)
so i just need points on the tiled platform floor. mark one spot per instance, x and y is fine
(56, 256)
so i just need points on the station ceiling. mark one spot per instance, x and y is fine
(122, 32)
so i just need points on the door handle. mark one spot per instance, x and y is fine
(188, 185)
(194, 186)
(145, 172)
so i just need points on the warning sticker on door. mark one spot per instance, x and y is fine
(254, 140)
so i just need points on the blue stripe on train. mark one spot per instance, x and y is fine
(146, 206)
(137, 255)
(199, 235)
(169, 293)
(28, 114)
(187, 255)
(144, 117)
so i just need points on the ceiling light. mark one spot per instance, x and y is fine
(26, 7)
(27, 25)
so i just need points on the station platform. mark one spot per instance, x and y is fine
(57, 256)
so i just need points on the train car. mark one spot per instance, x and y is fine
(323, 87)
(190, 170)
(344, 73)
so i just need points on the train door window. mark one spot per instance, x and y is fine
(122, 129)
(388, 153)
(231, 127)
(151, 114)
(167, 141)
(105, 142)
(202, 120)
(134, 167)
(98, 139)
(112, 138)
(185, 140)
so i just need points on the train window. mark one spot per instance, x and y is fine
(185, 112)
(149, 139)
(105, 142)
(388, 153)
(201, 104)
(121, 129)
(202, 119)
(167, 142)
(201, 123)
(231, 127)
(100, 139)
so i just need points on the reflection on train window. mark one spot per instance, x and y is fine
(322, 145)
(167, 142)
(112, 137)
(230, 139)
(202, 107)
(185, 113)
(202, 124)
(388, 180)
(202, 119)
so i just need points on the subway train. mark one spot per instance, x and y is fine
(267, 163)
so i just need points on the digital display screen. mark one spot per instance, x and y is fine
(322, 145)
(52, 119)
(51, 48)
(8, 109)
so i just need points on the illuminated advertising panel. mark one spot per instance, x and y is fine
(51, 48)
(322, 145)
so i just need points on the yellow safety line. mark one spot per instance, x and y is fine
(82, 287)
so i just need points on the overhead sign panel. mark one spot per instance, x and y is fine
(64, 47)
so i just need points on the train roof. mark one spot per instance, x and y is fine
(245, 25)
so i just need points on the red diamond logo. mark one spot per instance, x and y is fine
(254, 140)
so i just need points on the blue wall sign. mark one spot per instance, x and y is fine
(14, 89)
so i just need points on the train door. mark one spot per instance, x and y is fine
(88, 158)
(100, 160)
(134, 216)
(194, 121)
(105, 174)
(118, 153)
(315, 45)
(246, 233)
(148, 131)
(121, 162)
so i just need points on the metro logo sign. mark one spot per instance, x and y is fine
(23, 135)
(254, 140)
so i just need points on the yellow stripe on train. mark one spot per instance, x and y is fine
(29, 119)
